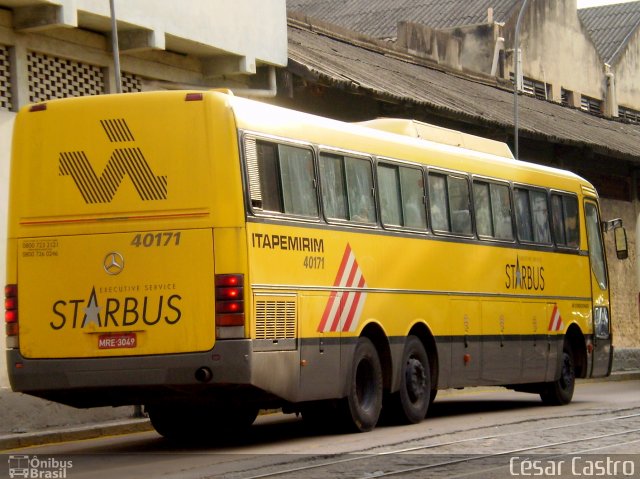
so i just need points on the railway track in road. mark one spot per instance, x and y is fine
(469, 454)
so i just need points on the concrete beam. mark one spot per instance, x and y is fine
(215, 67)
(140, 40)
(35, 18)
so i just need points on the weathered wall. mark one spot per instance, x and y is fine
(623, 277)
(555, 45)
(470, 48)
(627, 73)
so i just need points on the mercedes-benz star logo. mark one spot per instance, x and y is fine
(113, 263)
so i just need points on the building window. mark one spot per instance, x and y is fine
(632, 116)
(541, 90)
(566, 97)
(591, 105)
(5, 79)
(51, 77)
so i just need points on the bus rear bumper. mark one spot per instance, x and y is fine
(88, 382)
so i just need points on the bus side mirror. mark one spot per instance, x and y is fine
(620, 236)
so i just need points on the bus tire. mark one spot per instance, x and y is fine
(560, 392)
(194, 423)
(170, 423)
(364, 399)
(410, 404)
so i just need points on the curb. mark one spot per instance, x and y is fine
(58, 435)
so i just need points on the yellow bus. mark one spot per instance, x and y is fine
(209, 256)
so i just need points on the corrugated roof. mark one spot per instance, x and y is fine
(376, 72)
(379, 18)
(611, 27)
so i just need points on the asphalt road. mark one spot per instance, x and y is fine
(469, 433)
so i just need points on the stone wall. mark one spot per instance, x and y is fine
(623, 276)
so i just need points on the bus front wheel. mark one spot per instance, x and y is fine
(364, 399)
(560, 391)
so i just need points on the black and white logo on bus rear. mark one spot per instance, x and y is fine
(126, 161)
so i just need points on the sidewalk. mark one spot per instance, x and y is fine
(28, 421)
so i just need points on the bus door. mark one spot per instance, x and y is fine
(602, 352)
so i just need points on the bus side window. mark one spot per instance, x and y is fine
(401, 191)
(362, 208)
(298, 186)
(287, 179)
(523, 214)
(482, 206)
(501, 211)
(564, 213)
(492, 205)
(438, 204)
(532, 215)
(347, 188)
(572, 230)
(449, 203)
(334, 195)
(459, 205)
(557, 217)
(389, 191)
(270, 186)
(412, 188)
(540, 214)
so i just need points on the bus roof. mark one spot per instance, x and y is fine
(401, 139)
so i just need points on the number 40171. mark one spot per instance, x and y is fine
(148, 240)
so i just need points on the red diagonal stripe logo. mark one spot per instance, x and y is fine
(555, 323)
(344, 308)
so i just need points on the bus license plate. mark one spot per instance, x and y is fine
(118, 340)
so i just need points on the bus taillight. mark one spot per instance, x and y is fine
(11, 309)
(229, 306)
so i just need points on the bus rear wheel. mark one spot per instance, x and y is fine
(195, 423)
(560, 392)
(364, 399)
(410, 404)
